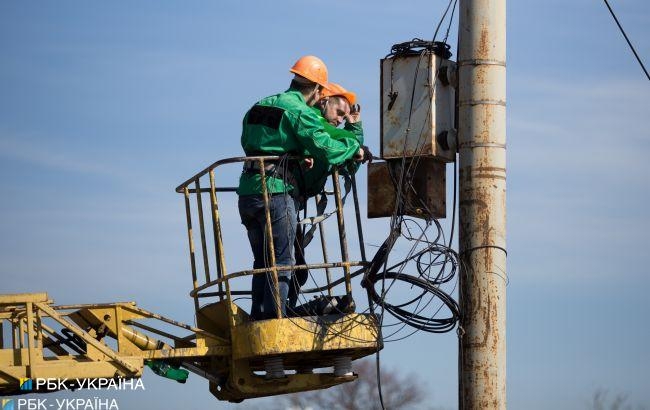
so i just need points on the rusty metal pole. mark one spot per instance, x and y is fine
(482, 190)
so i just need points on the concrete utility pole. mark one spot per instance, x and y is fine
(482, 219)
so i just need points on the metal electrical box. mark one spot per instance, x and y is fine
(417, 104)
(423, 188)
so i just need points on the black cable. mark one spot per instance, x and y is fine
(442, 19)
(442, 257)
(417, 321)
(417, 46)
(451, 19)
(403, 184)
(423, 280)
(627, 39)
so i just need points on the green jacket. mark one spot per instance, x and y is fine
(284, 123)
(316, 177)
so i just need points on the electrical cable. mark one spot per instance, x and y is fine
(442, 19)
(451, 19)
(423, 281)
(629, 43)
(403, 184)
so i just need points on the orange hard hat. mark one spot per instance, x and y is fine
(334, 89)
(312, 68)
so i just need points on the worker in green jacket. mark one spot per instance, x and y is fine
(336, 106)
(277, 125)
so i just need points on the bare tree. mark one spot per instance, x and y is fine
(399, 391)
(601, 401)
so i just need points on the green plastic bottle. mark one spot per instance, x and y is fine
(164, 369)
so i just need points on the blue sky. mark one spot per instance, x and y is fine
(106, 107)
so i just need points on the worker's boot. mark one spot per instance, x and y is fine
(345, 304)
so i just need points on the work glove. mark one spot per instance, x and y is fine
(367, 155)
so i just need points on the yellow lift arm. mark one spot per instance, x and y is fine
(103, 341)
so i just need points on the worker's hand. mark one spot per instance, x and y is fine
(364, 155)
(309, 163)
(359, 155)
(355, 114)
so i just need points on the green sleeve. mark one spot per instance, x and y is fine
(351, 134)
(342, 134)
(356, 129)
(311, 134)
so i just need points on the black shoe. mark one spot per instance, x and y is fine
(346, 304)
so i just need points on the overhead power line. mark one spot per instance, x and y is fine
(627, 39)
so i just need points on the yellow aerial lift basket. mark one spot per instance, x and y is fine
(285, 354)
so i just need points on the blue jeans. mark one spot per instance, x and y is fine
(283, 209)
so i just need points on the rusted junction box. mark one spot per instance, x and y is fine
(417, 105)
(424, 195)
(418, 135)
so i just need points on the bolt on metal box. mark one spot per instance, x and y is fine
(422, 189)
(417, 105)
